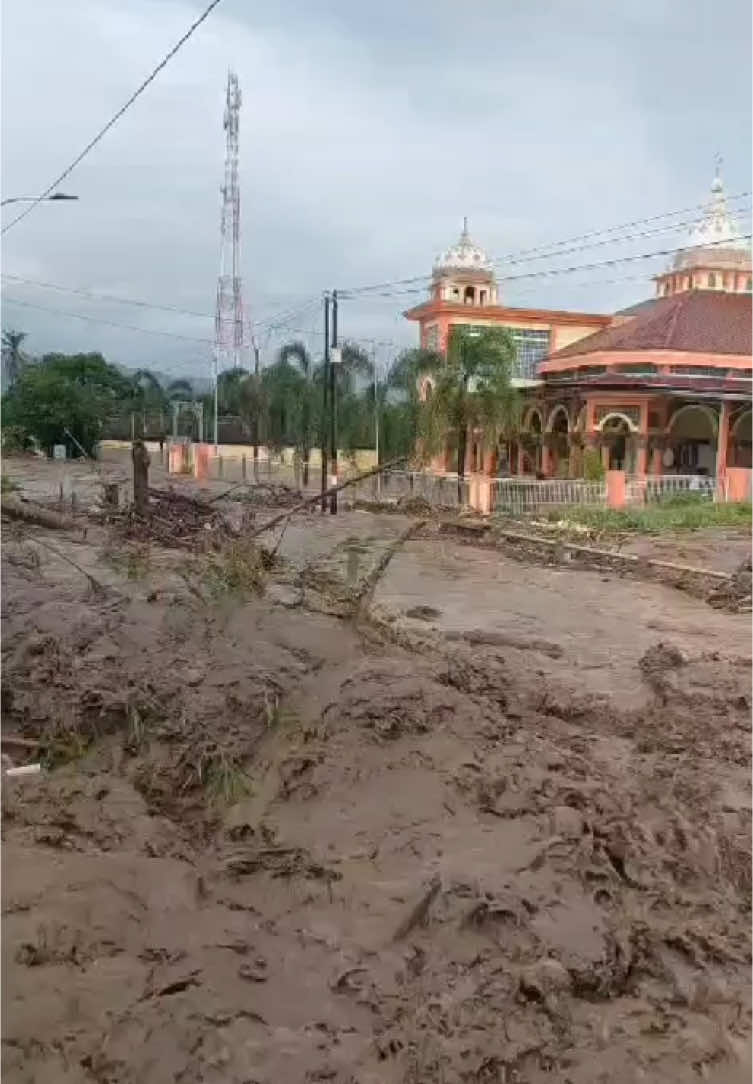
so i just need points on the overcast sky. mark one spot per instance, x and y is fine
(367, 132)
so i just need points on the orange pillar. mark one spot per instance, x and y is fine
(641, 459)
(738, 484)
(722, 443)
(546, 460)
(656, 461)
(616, 488)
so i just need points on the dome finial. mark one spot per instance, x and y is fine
(465, 225)
(716, 184)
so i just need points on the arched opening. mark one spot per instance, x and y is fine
(469, 297)
(426, 390)
(692, 442)
(740, 453)
(529, 445)
(559, 428)
(616, 436)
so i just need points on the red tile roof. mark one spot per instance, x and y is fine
(700, 321)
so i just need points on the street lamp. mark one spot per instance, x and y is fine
(33, 199)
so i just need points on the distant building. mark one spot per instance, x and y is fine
(667, 388)
(464, 293)
(661, 387)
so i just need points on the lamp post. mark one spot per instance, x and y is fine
(54, 198)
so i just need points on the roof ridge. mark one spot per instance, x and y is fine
(673, 321)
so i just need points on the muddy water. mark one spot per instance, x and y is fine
(380, 848)
(586, 627)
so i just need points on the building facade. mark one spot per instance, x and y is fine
(663, 387)
(464, 292)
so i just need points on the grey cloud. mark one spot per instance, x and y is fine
(367, 132)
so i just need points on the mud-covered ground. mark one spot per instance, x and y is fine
(456, 823)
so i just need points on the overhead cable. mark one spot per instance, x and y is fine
(114, 119)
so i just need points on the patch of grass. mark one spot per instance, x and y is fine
(683, 512)
(8, 486)
(133, 560)
(226, 782)
(63, 747)
(238, 569)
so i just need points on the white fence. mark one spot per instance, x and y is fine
(653, 489)
(438, 490)
(518, 495)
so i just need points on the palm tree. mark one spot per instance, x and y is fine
(252, 407)
(180, 388)
(470, 390)
(229, 390)
(13, 359)
(297, 352)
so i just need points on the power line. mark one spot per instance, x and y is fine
(545, 272)
(109, 323)
(517, 256)
(137, 302)
(113, 120)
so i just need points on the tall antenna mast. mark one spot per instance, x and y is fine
(230, 337)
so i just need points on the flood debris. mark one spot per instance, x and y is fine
(734, 594)
(272, 844)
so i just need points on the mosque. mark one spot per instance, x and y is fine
(662, 387)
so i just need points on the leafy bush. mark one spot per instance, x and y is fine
(15, 440)
(593, 468)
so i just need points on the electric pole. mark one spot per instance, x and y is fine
(325, 382)
(333, 407)
(376, 408)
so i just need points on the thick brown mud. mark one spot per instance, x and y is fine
(295, 837)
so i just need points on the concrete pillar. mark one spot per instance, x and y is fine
(546, 461)
(616, 488)
(201, 463)
(656, 461)
(738, 484)
(641, 452)
(722, 443)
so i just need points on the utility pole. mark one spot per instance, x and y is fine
(215, 382)
(256, 404)
(325, 382)
(376, 412)
(333, 407)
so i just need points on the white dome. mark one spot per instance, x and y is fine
(717, 228)
(463, 256)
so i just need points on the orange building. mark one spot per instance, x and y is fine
(464, 293)
(661, 387)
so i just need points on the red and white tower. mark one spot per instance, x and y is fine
(231, 339)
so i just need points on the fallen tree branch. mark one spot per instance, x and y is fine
(98, 588)
(36, 513)
(326, 493)
(417, 916)
(370, 582)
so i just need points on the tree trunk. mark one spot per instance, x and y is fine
(462, 437)
(140, 458)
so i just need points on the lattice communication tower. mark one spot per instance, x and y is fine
(231, 331)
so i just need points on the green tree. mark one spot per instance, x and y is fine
(229, 384)
(282, 387)
(399, 404)
(13, 359)
(470, 390)
(75, 392)
(297, 352)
